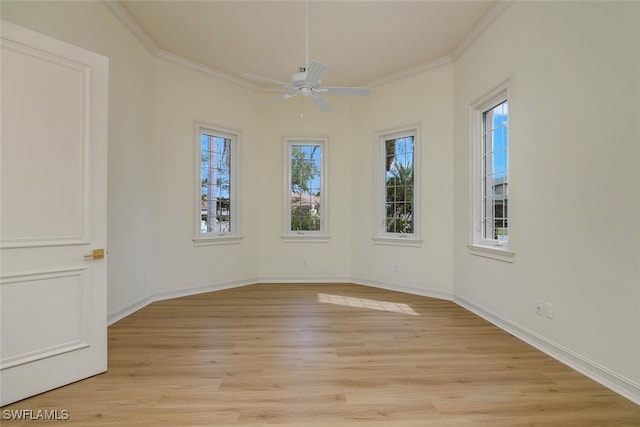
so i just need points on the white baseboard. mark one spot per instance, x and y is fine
(161, 296)
(304, 279)
(614, 382)
(430, 293)
(165, 295)
(130, 309)
(586, 367)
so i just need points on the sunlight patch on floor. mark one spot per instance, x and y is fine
(367, 303)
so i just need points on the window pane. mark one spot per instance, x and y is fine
(306, 178)
(399, 185)
(215, 175)
(495, 195)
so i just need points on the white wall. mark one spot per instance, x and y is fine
(92, 26)
(425, 99)
(282, 261)
(574, 114)
(182, 96)
(576, 158)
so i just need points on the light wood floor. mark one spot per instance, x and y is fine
(326, 355)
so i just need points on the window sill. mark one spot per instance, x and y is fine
(305, 238)
(492, 252)
(398, 241)
(217, 240)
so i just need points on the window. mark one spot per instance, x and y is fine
(490, 172)
(397, 193)
(216, 219)
(305, 189)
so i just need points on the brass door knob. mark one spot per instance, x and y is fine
(96, 254)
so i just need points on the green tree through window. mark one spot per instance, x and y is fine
(305, 203)
(305, 164)
(399, 185)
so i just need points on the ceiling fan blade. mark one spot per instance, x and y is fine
(336, 90)
(314, 73)
(267, 80)
(281, 97)
(320, 102)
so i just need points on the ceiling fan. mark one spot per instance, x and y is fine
(307, 81)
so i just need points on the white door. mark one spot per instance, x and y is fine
(53, 155)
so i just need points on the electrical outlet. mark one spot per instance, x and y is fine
(396, 268)
(544, 309)
(305, 261)
(539, 307)
(547, 309)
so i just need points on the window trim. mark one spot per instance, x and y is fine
(380, 235)
(217, 238)
(293, 236)
(478, 245)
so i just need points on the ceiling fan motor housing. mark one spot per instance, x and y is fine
(298, 79)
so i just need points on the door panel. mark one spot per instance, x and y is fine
(53, 213)
(58, 295)
(42, 129)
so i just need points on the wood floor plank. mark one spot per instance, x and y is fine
(326, 355)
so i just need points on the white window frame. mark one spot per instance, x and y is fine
(478, 244)
(321, 235)
(233, 235)
(380, 234)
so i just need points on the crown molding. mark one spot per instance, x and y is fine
(430, 65)
(128, 21)
(485, 22)
(480, 27)
(194, 65)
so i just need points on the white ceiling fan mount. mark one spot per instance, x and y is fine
(307, 81)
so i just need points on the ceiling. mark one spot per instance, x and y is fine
(363, 42)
